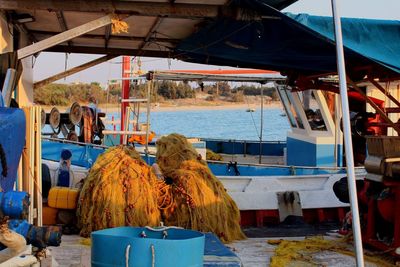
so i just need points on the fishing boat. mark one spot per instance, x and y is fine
(314, 114)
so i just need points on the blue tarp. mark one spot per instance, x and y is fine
(378, 40)
(217, 254)
(12, 141)
(288, 42)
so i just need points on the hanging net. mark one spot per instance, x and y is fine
(119, 191)
(191, 196)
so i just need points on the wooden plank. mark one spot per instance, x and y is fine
(111, 37)
(38, 165)
(109, 51)
(72, 71)
(375, 106)
(119, 7)
(64, 36)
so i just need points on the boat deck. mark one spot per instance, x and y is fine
(253, 252)
(253, 159)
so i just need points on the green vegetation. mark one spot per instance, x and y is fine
(63, 94)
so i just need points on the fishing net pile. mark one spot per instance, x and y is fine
(119, 191)
(192, 197)
(311, 252)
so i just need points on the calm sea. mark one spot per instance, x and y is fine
(222, 124)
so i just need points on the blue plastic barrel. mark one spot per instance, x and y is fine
(141, 247)
(15, 204)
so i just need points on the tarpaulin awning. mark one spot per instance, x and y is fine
(378, 40)
(286, 42)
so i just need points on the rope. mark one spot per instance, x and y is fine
(30, 173)
(251, 114)
(3, 161)
(160, 229)
(153, 256)
(128, 247)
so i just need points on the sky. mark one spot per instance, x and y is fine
(48, 64)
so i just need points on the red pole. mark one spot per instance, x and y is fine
(126, 69)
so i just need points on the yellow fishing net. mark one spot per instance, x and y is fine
(193, 197)
(118, 25)
(300, 253)
(211, 155)
(119, 190)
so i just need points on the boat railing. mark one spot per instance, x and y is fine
(242, 141)
(283, 166)
(60, 140)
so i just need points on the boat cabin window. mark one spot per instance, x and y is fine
(312, 111)
(291, 110)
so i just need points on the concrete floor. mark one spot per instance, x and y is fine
(254, 252)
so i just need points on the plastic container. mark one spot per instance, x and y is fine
(63, 198)
(15, 204)
(49, 215)
(141, 247)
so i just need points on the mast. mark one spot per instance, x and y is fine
(126, 70)
(351, 180)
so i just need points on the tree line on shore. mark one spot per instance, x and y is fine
(63, 94)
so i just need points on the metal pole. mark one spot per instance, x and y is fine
(126, 69)
(262, 122)
(8, 86)
(149, 87)
(347, 137)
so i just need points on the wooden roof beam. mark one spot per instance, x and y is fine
(63, 24)
(73, 71)
(64, 36)
(22, 28)
(109, 51)
(153, 28)
(112, 37)
(119, 7)
(107, 35)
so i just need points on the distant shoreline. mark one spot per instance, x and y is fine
(166, 107)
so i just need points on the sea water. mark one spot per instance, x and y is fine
(236, 124)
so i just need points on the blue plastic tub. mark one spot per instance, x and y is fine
(142, 247)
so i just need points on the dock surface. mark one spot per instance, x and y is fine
(253, 252)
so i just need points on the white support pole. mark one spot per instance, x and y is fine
(347, 137)
(261, 123)
(64, 36)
